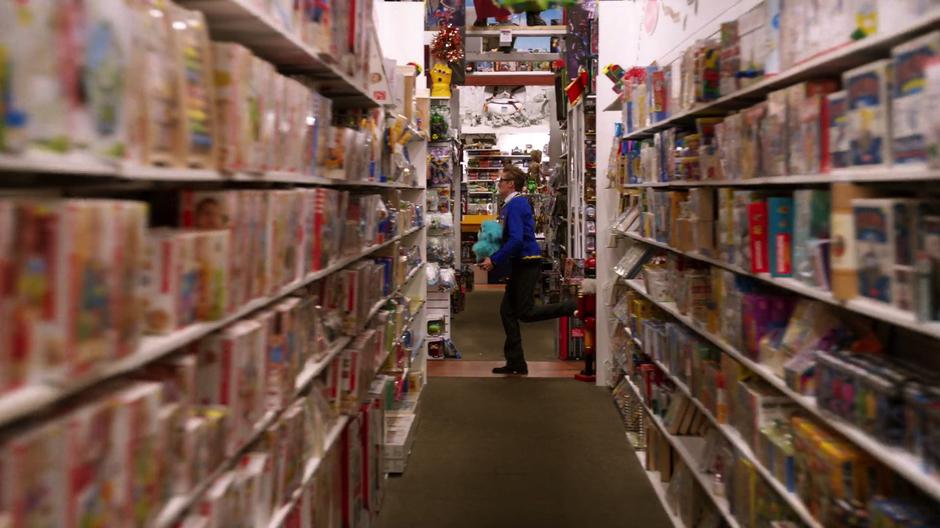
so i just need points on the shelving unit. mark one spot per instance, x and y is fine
(870, 308)
(833, 62)
(248, 23)
(690, 449)
(906, 343)
(898, 460)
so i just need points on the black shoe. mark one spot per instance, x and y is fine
(523, 370)
(479, 23)
(534, 19)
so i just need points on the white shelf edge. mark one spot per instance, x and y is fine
(31, 399)
(659, 489)
(178, 505)
(310, 470)
(686, 455)
(313, 55)
(732, 435)
(866, 307)
(796, 72)
(890, 174)
(898, 460)
(133, 172)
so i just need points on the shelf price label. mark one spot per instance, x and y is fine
(505, 37)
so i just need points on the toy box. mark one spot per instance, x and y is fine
(234, 98)
(874, 244)
(211, 253)
(808, 138)
(197, 142)
(869, 113)
(886, 234)
(162, 281)
(138, 410)
(927, 258)
(810, 226)
(780, 235)
(154, 109)
(95, 465)
(750, 157)
(35, 478)
(842, 251)
(773, 136)
(758, 231)
(909, 120)
(224, 210)
(837, 124)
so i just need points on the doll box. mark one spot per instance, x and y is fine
(909, 120)
(868, 90)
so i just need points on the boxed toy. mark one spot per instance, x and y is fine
(224, 210)
(153, 102)
(886, 235)
(810, 227)
(758, 231)
(807, 125)
(35, 477)
(773, 136)
(909, 120)
(751, 141)
(837, 124)
(869, 113)
(94, 464)
(138, 409)
(927, 258)
(197, 142)
(842, 251)
(233, 65)
(780, 235)
(211, 253)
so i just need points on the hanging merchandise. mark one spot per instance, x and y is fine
(440, 117)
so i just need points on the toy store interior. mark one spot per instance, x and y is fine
(503, 263)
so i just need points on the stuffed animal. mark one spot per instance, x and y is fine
(489, 239)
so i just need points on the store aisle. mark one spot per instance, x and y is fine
(478, 331)
(510, 452)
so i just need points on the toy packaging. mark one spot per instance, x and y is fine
(780, 236)
(842, 251)
(869, 113)
(810, 227)
(212, 254)
(909, 120)
(875, 247)
(758, 230)
(837, 123)
(750, 157)
(886, 235)
(807, 119)
(153, 101)
(197, 142)
(927, 262)
(773, 135)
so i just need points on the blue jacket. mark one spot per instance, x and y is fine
(518, 232)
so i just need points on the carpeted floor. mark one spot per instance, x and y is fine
(519, 453)
(478, 331)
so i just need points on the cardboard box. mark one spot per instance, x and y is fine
(868, 90)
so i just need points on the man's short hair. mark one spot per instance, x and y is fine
(518, 177)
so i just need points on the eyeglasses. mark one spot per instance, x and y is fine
(506, 179)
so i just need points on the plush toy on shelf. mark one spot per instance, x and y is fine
(488, 240)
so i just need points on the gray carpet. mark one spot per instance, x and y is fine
(478, 331)
(520, 453)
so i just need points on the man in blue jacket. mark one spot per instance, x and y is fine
(522, 253)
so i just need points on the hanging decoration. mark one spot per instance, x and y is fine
(447, 45)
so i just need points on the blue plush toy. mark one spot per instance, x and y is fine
(489, 239)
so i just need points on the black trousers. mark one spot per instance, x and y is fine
(519, 306)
